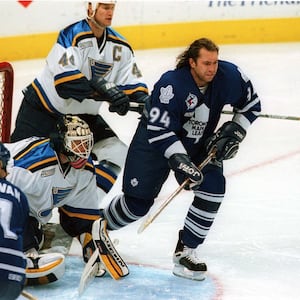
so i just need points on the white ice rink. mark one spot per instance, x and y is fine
(253, 248)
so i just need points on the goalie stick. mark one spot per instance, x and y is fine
(150, 218)
(89, 272)
(27, 295)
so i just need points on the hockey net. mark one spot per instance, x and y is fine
(6, 93)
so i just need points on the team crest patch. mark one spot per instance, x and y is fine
(84, 45)
(191, 101)
(166, 94)
(99, 68)
(46, 173)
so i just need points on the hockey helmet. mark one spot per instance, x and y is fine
(94, 4)
(74, 139)
(4, 156)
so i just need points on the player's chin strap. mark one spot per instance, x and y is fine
(150, 218)
(92, 19)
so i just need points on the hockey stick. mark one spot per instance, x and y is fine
(28, 295)
(138, 107)
(89, 273)
(269, 116)
(149, 219)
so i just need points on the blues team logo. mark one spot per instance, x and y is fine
(99, 68)
(191, 101)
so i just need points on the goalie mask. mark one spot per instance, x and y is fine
(74, 139)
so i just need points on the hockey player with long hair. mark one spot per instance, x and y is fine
(177, 131)
(59, 172)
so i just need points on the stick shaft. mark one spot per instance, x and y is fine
(28, 295)
(137, 107)
(269, 116)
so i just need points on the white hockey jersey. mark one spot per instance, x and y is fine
(79, 56)
(35, 168)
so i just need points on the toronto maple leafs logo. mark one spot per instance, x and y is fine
(166, 94)
(191, 101)
(196, 125)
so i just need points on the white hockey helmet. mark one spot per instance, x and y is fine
(91, 7)
(94, 4)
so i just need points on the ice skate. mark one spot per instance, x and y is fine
(44, 268)
(186, 262)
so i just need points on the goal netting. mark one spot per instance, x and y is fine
(6, 92)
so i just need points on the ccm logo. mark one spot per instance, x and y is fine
(188, 170)
(238, 134)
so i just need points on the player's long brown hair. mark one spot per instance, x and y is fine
(193, 51)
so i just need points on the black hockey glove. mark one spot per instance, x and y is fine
(181, 163)
(108, 91)
(226, 140)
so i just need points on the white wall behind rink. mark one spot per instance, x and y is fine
(50, 16)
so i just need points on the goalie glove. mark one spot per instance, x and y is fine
(226, 140)
(43, 268)
(182, 164)
(108, 91)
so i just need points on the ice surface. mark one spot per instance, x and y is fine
(253, 248)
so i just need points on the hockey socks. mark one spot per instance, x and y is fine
(109, 257)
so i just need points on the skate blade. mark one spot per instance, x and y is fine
(188, 274)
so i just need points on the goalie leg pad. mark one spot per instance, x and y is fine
(109, 257)
(44, 268)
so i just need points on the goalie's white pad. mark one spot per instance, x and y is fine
(93, 268)
(44, 268)
(109, 257)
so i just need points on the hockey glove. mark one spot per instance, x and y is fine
(108, 91)
(226, 140)
(181, 163)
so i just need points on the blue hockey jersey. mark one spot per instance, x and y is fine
(14, 212)
(181, 117)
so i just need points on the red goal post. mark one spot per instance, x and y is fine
(6, 93)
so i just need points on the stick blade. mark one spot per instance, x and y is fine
(89, 272)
